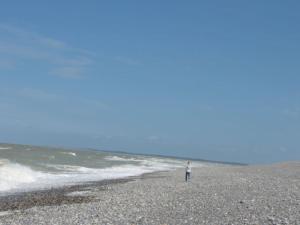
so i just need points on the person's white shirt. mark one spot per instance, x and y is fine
(188, 168)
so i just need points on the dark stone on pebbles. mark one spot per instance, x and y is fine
(54, 196)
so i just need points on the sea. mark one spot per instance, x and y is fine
(26, 167)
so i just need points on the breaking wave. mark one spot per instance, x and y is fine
(24, 168)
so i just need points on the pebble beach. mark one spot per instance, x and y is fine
(215, 195)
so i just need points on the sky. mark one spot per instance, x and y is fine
(217, 80)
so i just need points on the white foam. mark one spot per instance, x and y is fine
(117, 158)
(146, 161)
(65, 168)
(70, 153)
(3, 161)
(157, 163)
(5, 148)
(17, 177)
(51, 157)
(6, 213)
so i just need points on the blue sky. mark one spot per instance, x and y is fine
(216, 80)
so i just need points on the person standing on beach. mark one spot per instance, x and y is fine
(188, 171)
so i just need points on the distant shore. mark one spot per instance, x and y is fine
(220, 194)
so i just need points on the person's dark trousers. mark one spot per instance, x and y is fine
(187, 176)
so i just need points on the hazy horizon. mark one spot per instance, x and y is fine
(212, 79)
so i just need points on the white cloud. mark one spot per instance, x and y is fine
(62, 59)
(68, 72)
(37, 94)
(52, 42)
(20, 51)
(28, 36)
(79, 61)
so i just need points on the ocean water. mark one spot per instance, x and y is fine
(24, 167)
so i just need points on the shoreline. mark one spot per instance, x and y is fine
(56, 196)
(231, 195)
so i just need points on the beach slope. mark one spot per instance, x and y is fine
(215, 195)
